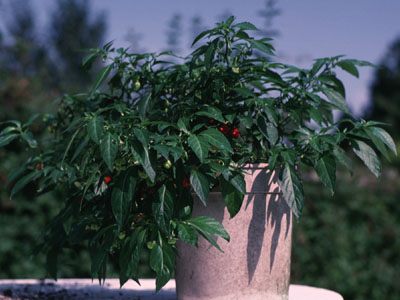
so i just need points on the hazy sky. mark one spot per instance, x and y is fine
(308, 29)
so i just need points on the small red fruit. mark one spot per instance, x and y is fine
(107, 180)
(138, 218)
(186, 182)
(211, 121)
(224, 129)
(235, 133)
(214, 149)
(39, 167)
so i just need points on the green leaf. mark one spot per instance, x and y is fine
(201, 35)
(368, 156)
(109, 149)
(200, 186)
(199, 146)
(272, 160)
(143, 105)
(101, 77)
(79, 149)
(377, 142)
(341, 156)
(163, 209)
(210, 225)
(20, 184)
(6, 139)
(349, 67)
(127, 262)
(246, 121)
(88, 59)
(292, 189)
(142, 135)
(319, 63)
(239, 183)
(138, 152)
(15, 173)
(121, 195)
(8, 130)
(130, 255)
(229, 21)
(150, 164)
(156, 258)
(245, 92)
(316, 115)
(15, 122)
(216, 139)
(336, 98)
(166, 150)
(271, 114)
(147, 158)
(326, 170)
(169, 256)
(95, 128)
(183, 124)
(70, 144)
(232, 197)
(209, 54)
(187, 234)
(268, 130)
(160, 258)
(263, 47)
(362, 63)
(211, 112)
(162, 277)
(245, 26)
(332, 82)
(384, 137)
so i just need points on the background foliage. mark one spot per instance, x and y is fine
(349, 242)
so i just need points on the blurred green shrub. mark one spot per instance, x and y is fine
(350, 242)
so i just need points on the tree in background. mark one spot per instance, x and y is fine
(134, 39)
(385, 90)
(72, 28)
(174, 33)
(196, 27)
(34, 71)
(269, 13)
(24, 62)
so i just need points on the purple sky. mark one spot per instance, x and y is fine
(308, 29)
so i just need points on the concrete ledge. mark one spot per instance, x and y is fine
(82, 289)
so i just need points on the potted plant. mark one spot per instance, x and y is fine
(154, 138)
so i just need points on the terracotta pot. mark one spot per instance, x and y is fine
(256, 262)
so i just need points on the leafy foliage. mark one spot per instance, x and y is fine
(152, 135)
(385, 90)
(350, 242)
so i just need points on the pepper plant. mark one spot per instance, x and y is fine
(154, 134)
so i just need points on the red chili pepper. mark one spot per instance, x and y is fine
(107, 180)
(138, 218)
(224, 129)
(39, 167)
(235, 133)
(186, 182)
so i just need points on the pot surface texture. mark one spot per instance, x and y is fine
(255, 264)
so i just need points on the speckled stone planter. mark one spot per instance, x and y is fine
(256, 262)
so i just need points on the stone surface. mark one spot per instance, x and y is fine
(256, 262)
(79, 289)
